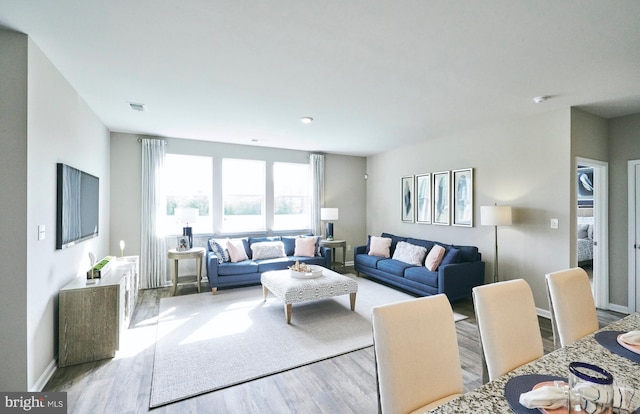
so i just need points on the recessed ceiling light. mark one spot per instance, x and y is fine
(136, 106)
(540, 99)
(306, 119)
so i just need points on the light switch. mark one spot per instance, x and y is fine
(41, 232)
(554, 223)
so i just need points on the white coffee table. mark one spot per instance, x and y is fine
(291, 290)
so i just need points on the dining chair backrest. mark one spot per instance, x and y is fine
(507, 325)
(416, 354)
(573, 310)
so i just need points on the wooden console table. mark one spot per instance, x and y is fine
(93, 313)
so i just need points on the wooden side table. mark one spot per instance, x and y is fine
(333, 244)
(193, 253)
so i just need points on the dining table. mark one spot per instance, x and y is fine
(593, 348)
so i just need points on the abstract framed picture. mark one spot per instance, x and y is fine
(441, 196)
(423, 198)
(585, 187)
(408, 197)
(463, 197)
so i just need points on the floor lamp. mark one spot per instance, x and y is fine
(495, 216)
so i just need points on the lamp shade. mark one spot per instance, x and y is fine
(186, 215)
(329, 214)
(495, 215)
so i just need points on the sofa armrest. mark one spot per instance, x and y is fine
(212, 269)
(359, 250)
(456, 280)
(326, 253)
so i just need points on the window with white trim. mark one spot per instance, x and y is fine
(291, 202)
(243, 195)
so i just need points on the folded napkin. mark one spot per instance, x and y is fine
(631, 338)
(547, 396)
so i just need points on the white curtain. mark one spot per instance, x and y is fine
(153, 260)
(317, 191)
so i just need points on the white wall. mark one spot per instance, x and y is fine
(46, 122)
(524, 163)
(13, 220)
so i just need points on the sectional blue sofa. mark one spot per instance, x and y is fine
(248, 272)
(461, 270)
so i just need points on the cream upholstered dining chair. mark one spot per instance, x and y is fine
(507, 325)
(416, 352)
(573, 310)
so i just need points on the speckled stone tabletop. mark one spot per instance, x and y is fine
(490, 397)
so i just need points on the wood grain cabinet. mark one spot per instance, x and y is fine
(93, 314)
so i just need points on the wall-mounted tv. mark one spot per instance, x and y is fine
(77, 206)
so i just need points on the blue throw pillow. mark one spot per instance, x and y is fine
(221, 253)
(452, 256)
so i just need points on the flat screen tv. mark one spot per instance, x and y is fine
(77, 206)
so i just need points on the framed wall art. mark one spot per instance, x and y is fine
(463, 197)
(440, 197)
(408, 198)
(423, 198)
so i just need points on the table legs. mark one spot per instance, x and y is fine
(174, 277)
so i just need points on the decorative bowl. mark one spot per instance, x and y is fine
(314, 273)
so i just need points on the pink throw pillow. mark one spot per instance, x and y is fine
(434, 258)
(236, 251)
(379, 246)
(305, 246)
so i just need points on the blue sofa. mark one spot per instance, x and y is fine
(248, 272)
(461, 270)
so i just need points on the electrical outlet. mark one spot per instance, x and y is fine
(348, 247)
(554, 223)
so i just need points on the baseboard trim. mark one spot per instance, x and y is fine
(46, 376)
(619, 308)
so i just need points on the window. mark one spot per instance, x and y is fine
(188, 181)
(243, 195)
(291, 196)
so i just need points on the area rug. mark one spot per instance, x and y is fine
(207, 342)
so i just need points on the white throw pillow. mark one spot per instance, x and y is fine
(267, 250)
(379, 246)
(434, 257)
(410, 253)
(305, 246)
(236, 250)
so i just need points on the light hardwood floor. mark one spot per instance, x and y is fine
(344, 384)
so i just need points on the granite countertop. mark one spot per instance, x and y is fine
(490, 397)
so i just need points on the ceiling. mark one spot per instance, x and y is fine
(374, 74)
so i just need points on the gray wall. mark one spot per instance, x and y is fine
(344, 185)
(624, 145)
(46, 122)
(523, 163)
(13, 220)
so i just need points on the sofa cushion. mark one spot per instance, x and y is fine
(380, 246)
(395, 267)
(237, 253)
(467, 253)
(410, 253)
(451, 256)
(219, 248)
(428, 244)
(422, 275)
(279, 263)
(394, 241)
(434, 257)
(246, 266)
(305, 246)
(267, 250)
(367, 260)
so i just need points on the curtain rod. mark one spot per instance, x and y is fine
(159, 139)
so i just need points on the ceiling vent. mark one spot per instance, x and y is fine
(137, 106)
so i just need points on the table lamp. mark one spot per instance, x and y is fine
(328, 214)
(495, 216)
(185, 216)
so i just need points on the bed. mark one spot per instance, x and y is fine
(585, 240)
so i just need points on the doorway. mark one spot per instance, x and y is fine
(592, 225)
